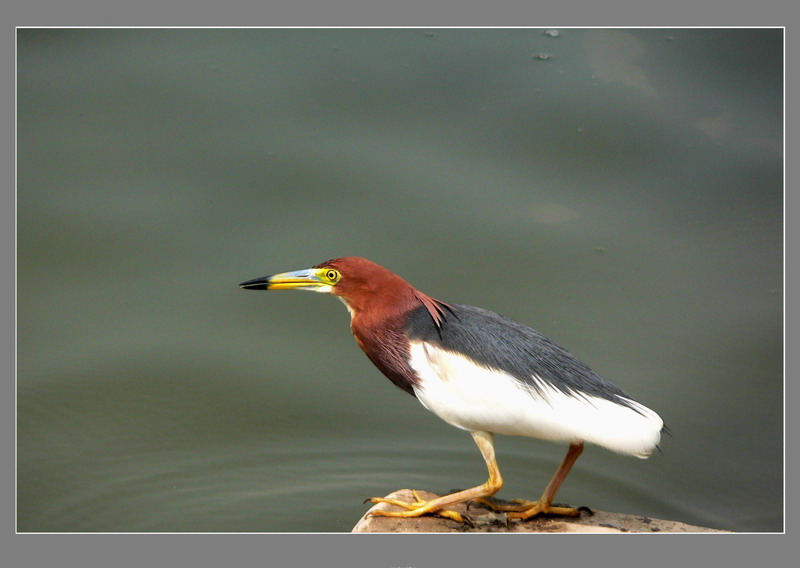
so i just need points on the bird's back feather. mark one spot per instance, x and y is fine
(501, 343)
(482, 371)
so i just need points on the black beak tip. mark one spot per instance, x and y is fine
(255, 284)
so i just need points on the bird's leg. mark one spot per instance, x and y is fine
(544, 506)
(439, 505)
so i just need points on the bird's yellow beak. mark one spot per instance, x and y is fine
(314, 279)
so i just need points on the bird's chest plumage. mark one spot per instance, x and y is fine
(387, 347)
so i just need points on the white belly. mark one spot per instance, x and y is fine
(477, 398)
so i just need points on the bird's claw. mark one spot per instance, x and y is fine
(539, 508)
(418, 508)
(523, 509)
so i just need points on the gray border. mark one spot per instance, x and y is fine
(312, 551)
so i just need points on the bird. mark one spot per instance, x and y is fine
(480, 372)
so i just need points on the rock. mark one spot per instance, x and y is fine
(484, 520)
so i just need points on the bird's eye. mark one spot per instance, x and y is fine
(332, 275)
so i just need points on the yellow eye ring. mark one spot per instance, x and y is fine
(332, 275)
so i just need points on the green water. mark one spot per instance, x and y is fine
(618, 190)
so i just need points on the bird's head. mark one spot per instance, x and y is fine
(360, 283)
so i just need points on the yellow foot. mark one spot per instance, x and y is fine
(522, 509)
(416, 509)
(542, 509)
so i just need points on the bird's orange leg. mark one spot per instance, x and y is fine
(544, 506)
(439, 505)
